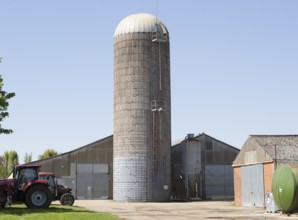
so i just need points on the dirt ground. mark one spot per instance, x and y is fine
(180, 210)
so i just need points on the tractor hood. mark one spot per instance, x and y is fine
(63, 189)
(6, 182)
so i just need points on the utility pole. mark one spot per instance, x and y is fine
(275, 158)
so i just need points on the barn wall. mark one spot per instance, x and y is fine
(217, 152)
(219, 182)
(251, 153)
(100, 152)
(237, 186)
(268, 174)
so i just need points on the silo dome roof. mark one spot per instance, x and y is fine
(139, 23)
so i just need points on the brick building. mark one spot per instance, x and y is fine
(255, 164)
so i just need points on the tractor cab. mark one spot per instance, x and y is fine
(59, 192)
(51, 179)
(25, 175)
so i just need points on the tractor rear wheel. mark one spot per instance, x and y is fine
(67, 199)
(38, 196)
(3, 199)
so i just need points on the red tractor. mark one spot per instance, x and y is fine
(25, 187)
(59, 192)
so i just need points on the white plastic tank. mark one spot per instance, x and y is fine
(271, 207)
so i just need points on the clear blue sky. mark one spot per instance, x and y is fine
(234, 69)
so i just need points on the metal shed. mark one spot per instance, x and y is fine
(202, 168)
(88, 170)
(254, 166)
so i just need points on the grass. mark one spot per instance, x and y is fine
(55, 212)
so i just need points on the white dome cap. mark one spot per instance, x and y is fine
(140, 23)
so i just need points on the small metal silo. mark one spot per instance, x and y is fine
(142, 110)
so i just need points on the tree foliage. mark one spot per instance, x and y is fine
(8, 161)
(28, 158)
(48, 153)
(4, 97)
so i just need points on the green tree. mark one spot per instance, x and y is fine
(3, 172)
(13, 160)
(4, 97)
(28, 158)
(9, 160)
(4, 164)
(48, 153)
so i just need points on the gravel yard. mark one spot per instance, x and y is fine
(180, 210)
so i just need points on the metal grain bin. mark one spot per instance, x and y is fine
(284, 187)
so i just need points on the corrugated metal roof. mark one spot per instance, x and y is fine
(284, 146)
(139, 23)
(198, 136)
(73, 151)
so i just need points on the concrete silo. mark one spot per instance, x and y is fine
(142, 110)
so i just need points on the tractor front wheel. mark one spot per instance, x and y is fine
(67, 199)
(38, 196)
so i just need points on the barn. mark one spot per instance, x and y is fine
(88, 170)
(202, 168)
(255, 164)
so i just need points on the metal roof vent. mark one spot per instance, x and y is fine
(189, 136)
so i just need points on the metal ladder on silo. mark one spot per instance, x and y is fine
(157, 106)
(155, 135)
(159, 37)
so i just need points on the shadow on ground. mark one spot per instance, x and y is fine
(20, 210)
